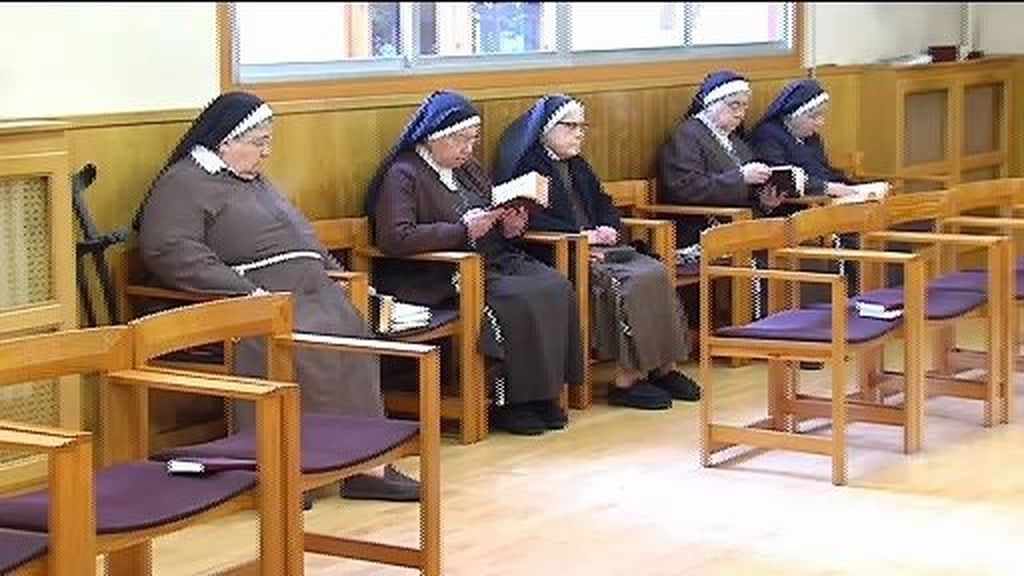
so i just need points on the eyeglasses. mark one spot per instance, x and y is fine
(581, 126)
(259, 142)
(737, 106)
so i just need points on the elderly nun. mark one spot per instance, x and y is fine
(213, 223)
(636, 318)
(430, 193)
(707, 162)
(789, 134)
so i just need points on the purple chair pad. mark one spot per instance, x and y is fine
(328, 442)
(939, 304)
(135, 496)
(20, 548)
(808, 325)
(972, 281)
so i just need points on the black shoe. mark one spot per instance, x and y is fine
(678, 385)
(812, 365)
(307, 503)
(550, 413)
(641, 395)
(393, 487)
(519, 419)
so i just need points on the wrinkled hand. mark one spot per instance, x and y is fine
(755, 172)
(838, 190)
(770, 198)
(513, 221)
(608, 235)
(479, 221)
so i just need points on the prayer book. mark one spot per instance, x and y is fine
(879, 311)
(390, 316)
(529, 190)
(201, 466)
(868, 192)
(788, 180)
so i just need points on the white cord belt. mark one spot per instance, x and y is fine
(243, 268)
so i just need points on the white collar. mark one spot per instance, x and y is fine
(552, 155)
(719, 134)
(445, 174)
(207, 159)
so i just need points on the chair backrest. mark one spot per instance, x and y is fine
(67, 353)
(909, 207)
(833, 219)
(628, 194)
(982, 194)
(343, 233)
(216, 321)
(851, 162)
(743, 237)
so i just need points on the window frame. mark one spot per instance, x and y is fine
(509, 71)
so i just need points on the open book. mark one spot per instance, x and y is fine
(788, 180)
(868, 192)
(390, 315)
(529, 190)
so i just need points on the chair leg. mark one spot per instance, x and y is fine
(839, 462)
(706, 397)
(136, 560)
(472, 381)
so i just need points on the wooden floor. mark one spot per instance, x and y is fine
(621, 492)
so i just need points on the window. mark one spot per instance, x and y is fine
(296, 41)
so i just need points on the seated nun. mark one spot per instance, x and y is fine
(636, 317)
(706, 162)
(429, 194)
(212, 222)
(789, 134)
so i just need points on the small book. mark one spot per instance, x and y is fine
(879, 311)
(202, 466)
(788, 180)
(389, 315)
(868, 192)
(529, 190)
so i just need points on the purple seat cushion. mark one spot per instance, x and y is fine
(135, 496)
(19, 548)
(972, 281)
(939, 304)
(808, 325)
(328, 442)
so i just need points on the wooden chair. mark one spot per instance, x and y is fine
(331, 448)
(68, 548)
(350, 239)
(935, 207)
(128, 513)
(186, 419)
(943, 308)
(999, 203)
(639, 198)
(790, 334)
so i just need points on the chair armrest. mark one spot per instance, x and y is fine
(451, 256)
(773, 274)
(663, 240)
(559, 244)
(200, 384)
(846, 254)
(716, 211)
(932, 238)
(13, 436)
(983, 222)
(892, 176)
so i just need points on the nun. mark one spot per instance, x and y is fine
(213, 223)
(430, 193)
(636, 317)
(789, 134)
(706, 162)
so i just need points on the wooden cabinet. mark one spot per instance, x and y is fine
(37, 275)
(950, 119)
